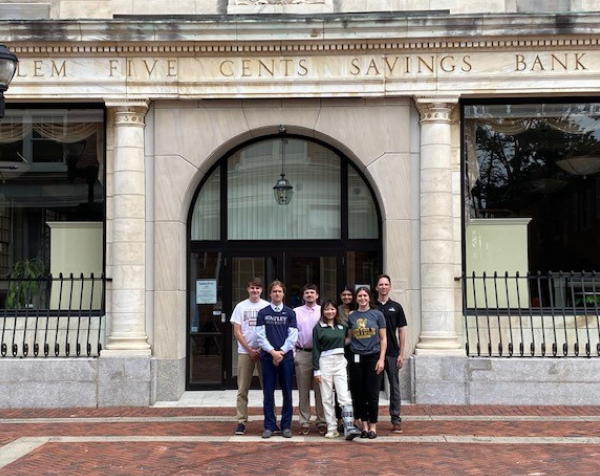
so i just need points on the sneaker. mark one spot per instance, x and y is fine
(286, 433)
(241, 429)
(332, 434)
(322, 429)
(397, 427)
(267, 434)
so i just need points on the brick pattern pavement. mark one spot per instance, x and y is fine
(437, 440)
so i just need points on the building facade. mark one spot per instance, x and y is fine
(420, 139)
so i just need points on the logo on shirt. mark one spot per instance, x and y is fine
(391, 309)
(362, 331)
(249, 317)
(276, 320)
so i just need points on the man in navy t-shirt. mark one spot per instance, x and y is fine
(277, 335)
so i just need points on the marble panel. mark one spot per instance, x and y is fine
(76, 9)
(436, 204)
(391, 175)
(129, 159)
(127, 254)
(130, 276)
(398, 248)
(196, 133)
(169, 256)
(128, 302)
(433, 229)
(435, 156)
(436, 275)
(132, 207)
(172, 184)
(158, 7)
(129, 183)
(170, 324)
(437, 299)
(436, 179)
(369, 132)
(129, 230)
(122, 7)
(438, 328)
(258, 116)
(128, 137)
(439, 251)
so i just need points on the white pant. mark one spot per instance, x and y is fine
(333, 375)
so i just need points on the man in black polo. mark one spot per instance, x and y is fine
(396, 336)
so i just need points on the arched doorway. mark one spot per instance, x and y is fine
(329, 235)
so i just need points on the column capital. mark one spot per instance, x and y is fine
(436, 108)
(130, 112)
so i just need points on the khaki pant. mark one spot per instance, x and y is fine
(245, 369)
(306, 382)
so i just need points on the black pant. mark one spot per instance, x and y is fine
(365, 384)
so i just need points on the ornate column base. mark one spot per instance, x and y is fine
(439, 344)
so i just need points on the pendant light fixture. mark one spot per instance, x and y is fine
(283, 189)
(8, 67)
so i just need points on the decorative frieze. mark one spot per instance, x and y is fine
(384, 45)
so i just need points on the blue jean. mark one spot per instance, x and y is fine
(284, 372)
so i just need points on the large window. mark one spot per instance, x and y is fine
(51, 170)
(316, 211)
(538, 163)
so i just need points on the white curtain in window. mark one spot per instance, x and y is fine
(206, 217)
(362, 214)
(315, 209)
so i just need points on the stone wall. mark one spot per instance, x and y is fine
(449, 380)
(106, 9)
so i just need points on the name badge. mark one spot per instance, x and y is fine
(356, 358)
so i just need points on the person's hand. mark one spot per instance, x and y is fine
(379, 366)
(318, 379)
(254, 354)
(277, 356)
(399, 362)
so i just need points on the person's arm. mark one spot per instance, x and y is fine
(263, 342)
(237, 332)
(290, 340)
(401, 341)
(316, 352)
(383, 347)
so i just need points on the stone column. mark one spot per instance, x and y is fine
(127, 257)
(438, 333)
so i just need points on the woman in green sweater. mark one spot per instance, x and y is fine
(329, 365)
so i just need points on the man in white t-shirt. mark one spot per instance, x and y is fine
(244, 329)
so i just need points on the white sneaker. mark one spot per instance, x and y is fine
(332, 434)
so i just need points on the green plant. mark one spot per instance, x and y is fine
(24, 284)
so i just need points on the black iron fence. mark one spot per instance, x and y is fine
(52, 316)
(533, 315)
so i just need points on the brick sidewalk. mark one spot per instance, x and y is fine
(437, 440)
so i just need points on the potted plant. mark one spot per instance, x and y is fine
(24, 283)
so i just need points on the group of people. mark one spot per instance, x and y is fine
(326, 347)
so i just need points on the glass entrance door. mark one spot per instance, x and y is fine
(218, 282)
(208, 320)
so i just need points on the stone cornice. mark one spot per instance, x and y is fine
(216, 48)
(280, 34)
